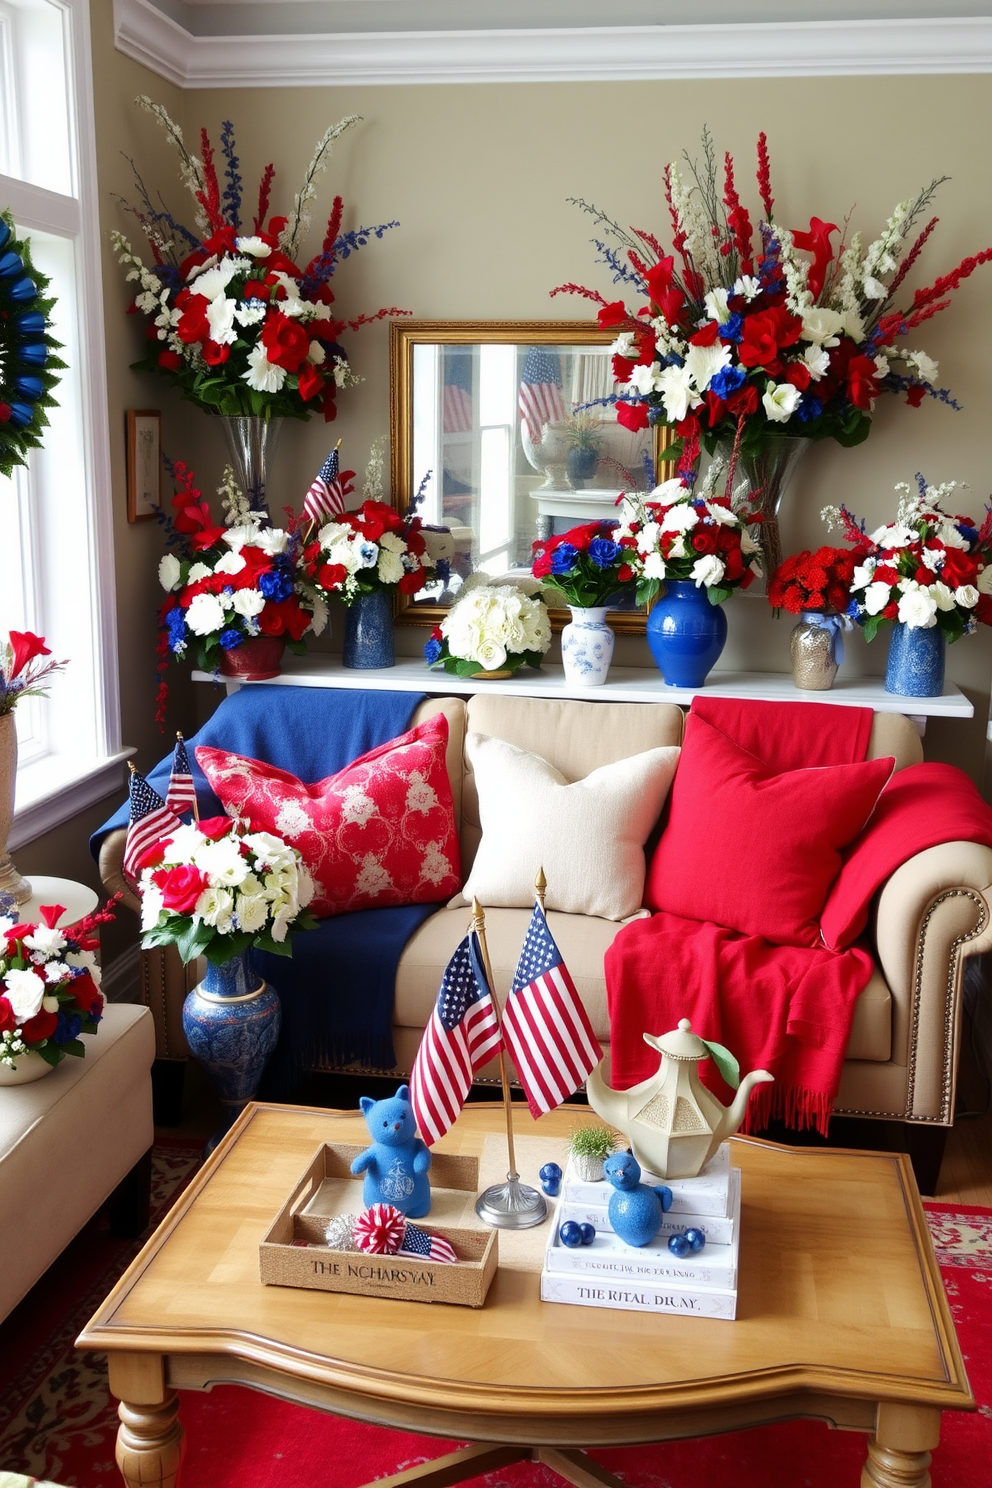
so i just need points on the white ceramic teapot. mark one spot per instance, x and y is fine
(673, 1123)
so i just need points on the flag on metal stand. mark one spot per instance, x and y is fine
(463, 1033)
(149, 820)
(181, 795)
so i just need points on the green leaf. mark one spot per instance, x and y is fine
(871, 626)
(725, 1062)
(716, 594)
(221, 948)
(276, 947)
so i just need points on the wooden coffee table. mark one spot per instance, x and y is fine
(841, 1316)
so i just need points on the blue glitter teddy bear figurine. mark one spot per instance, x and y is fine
(635, 1209)
(395, 1166)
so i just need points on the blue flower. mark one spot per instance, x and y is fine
(67, 1028)
(810, 408)
(277, 584)
(230, 638)
(727, 381)
(603, 551)
(563, 557)
(432, 651)
(175, 624)
(732, 329)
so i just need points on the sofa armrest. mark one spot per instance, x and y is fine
(165, 981)
(933, 912)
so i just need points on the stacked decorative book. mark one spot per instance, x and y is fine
(649, 1278)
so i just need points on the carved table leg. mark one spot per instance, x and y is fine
(150, 1443)
(899, 1451)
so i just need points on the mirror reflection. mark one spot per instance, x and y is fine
(504, 434)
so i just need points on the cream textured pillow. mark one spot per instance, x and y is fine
(589, 836)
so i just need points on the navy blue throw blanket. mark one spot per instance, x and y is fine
(337, 989)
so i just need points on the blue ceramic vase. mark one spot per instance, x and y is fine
(231, 1022)
(368, 631)
(916, 661)
(686, 633)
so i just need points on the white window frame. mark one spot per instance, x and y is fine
(61, 780)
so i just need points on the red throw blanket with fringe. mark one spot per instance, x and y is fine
(786, 1009)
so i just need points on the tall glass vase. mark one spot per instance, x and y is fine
(768, 472)
(231, 1022)
(251, 440)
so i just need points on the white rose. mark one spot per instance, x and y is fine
(918, 609)
(205, 614)
(24, 991)
(967, 596)
(942, 596)
(491, 655)
(821, 325)
(707, 571)
(780, 401)
(248, 602)
(169, 572)
(876, 598)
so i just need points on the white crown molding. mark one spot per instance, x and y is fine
(795, 49)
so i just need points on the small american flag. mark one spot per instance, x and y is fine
(181, 795)
(426, 1247)
(540, 391)
(457, 406)
(329, 492)
(149, 820)
(545, 1025)
(462, 1034)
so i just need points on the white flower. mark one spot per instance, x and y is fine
(262, 375)
(669, 491)
(625, 346)
(231, 563)
(780, 401)
(677, 394)
(716, 305)
(55, 971)
(45, 941)
(679, 518)
(861, 577)
(707, 571)
(272, 540)
(874, 289)
(490, 655)
(723, 516)
(254, 247)
(852, 325)
(270, 851)
(748, 544)
(221, 861)
(317, 354)
(205, 614)
(748, 286)
(248, 602)
(967, 596)
(876, 598)
(251, 312)
(151, 903)
(948, 534)
(654, 565)
(942, 595)
(642, 378)
(50, 1004)
(983, 583)
(213, 282)
(817, 360)
(220, 318)
(892, 535)
(252, 912)
(197, 572)
(169, 573)
(24, 991)
(214, 907)
(389, 567)
(918, 609)
(925, 367)
(677, 547)
(704, 362)
(821, 325)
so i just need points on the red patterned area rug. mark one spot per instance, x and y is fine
(57, 1420)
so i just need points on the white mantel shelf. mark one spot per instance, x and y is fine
(625, 685)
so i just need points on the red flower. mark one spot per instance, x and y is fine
(26, 646)
(764, 334)
(862, 381)
(915, 394)
(331, 575)
(86, 992)
(193, 323)
(40, 1027)
(411, 582)
(181, 887)
(744, 402)
(704, 540)
(959, 568)
(214, 827)
(286, 341)
(170, 360)
(256, 290)
(817, 242)
(283, 618)
(614, 314)
(310, 381)
(214, 354)
(632, 416)
(625, 573)
(7, 1020)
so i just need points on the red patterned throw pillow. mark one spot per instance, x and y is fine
(380, 832)
(754, 850)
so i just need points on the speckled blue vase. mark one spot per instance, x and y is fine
(368, 631)
(916, 661)
(231, 1022)
(686, 633)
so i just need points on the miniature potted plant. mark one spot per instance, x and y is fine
(589, 1147)
(584, 435)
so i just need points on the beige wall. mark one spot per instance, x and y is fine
(478, 178)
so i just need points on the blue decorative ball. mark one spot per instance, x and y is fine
(679, 1245)
(588, 1233)
(550, 1176)
(570, 1234)
(696, 1239)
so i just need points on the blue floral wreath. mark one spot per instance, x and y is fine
(28, 366)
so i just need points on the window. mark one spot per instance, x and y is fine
(55, 515)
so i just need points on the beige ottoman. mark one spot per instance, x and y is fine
(68, 1140)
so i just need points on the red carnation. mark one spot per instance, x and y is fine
(411, 582)
(331, 575)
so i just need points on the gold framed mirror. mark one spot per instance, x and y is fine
(501, 433)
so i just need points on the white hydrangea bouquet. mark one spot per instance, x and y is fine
(214, 889)
(495, 625)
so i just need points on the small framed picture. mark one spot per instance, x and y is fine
(144, 463)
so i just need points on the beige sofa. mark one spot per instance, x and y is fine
(903, 1052)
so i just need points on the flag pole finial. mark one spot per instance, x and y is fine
(132, 767)
(540, 887)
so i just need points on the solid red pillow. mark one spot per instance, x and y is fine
(380, 832)
(755, 851)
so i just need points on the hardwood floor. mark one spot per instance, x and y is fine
(965, 1174)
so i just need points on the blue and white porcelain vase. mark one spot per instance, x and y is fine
(231, 1022)
(686, 633)
(916, 661)
(368, 631)
(586, 647)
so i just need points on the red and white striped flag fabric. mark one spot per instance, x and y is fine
(181, 795)
(426, 1247)
(545, 1026)
(329, 492)
(463, 1033)
(149, 820)
(540, 400)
